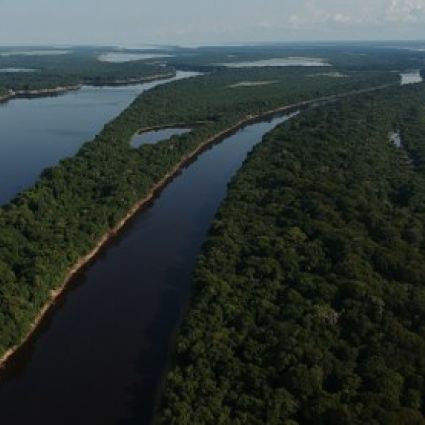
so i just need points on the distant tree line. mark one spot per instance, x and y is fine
(77, 67)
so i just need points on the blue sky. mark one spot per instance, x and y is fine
(134, 22)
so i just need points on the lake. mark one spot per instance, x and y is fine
(411, 77)
(13, 70)
(37, 133)
(280, 62)
(155, 136)
(118, 57)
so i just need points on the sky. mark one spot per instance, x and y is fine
(138, 22)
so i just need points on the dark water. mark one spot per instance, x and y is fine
(152, 137)
(37, 133)
(99, 357)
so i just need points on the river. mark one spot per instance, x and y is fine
(100, 354)
(37, 133)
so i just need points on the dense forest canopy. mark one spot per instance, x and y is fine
(308, 304)
(46, 229)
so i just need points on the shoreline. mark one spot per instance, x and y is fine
(59, 90)
(28, 94)
(130, 81)
(7, 97)
(157, 187)
(176, 124)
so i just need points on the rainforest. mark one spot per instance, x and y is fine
(261, 261)
(307, 304)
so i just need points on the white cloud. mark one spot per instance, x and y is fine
(373, 14)
(405, 11)
(341, 18)
(265, 24)
(318, 16)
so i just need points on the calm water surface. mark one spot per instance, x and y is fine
(118, 57)
(152, 137)
(290, 61)
(100, 356)
(37, 133)
(13, 70)
(411, 77)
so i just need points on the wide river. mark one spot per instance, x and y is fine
(100, 355)
(37, 133)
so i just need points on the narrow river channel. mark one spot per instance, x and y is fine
(37, 133)
(99, 357)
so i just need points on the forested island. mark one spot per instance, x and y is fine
(25, 69)
(308, 298)
(48, 231)
(31, 75)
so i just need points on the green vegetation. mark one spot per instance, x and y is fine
(308, 304)
(45, 230)
(342, 56)
(80, 66)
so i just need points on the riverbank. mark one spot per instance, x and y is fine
(7, 97)
(130, 81)
(83, 261)
(264, 115)
(28, 94)
(177, 124)
(45, 92)
(56, 91)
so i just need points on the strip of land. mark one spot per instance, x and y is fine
(76, 207)
(307, 305)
